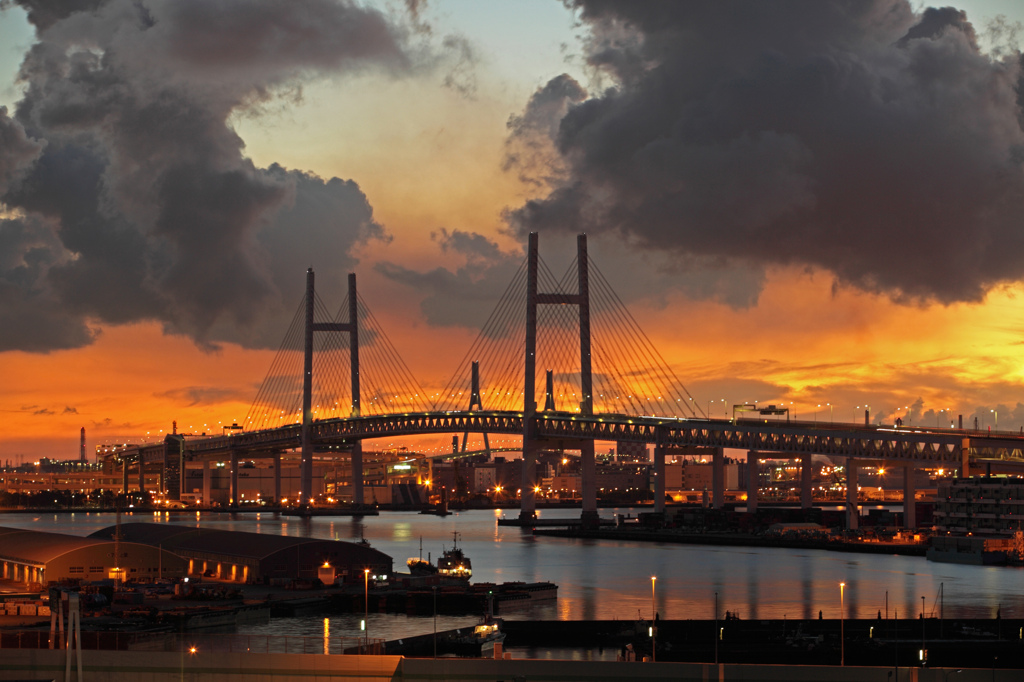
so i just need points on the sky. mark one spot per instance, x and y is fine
(814, 203)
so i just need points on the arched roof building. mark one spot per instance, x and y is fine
(32, 556)
(256, 557)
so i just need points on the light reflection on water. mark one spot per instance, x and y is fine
(605, 579)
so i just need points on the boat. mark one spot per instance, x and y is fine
(419, 566)
(482, 640)
(454, 563)
(485, 639)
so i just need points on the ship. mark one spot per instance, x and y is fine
(454, 563)
(419, 566)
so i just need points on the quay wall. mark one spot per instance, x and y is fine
(127, 666)
(150, 666)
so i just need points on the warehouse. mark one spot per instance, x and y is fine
(32, 556)
(257, 557)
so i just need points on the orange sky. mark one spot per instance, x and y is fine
(429, 158)
(801, 345)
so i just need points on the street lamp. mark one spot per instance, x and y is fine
(842, 627)
(716, 628)
(922, 632)
(996, 413)
(654, 632)
(366, 608)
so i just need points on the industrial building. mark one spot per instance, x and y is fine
(988, 505)
(258, 557)
(32, 556)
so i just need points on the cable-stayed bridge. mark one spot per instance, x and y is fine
(337, 380)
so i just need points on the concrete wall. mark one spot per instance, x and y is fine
(137, 666)
(148, 666)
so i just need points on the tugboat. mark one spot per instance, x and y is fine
(486, 636)
(419, 566)
(481, 642)
(454, 564)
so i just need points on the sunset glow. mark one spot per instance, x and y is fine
(419, 163)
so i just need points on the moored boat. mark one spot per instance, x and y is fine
(454, 563)
(419, 566)
(482, 640)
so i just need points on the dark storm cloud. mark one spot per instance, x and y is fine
(852, 136)
(30, 318)
(200, 395)
(45, 13)
(466, 296)
(529, 148)
(18, 151)
(121, 165)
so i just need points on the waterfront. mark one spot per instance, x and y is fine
(606, 579)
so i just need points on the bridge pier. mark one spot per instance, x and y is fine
(357, 474)
(277, 479)
(233, 493)
(909, 504)
(182, 465)
(528, 497)
(207, 484)
(142, 473)
(753, 480)
(124, 476)
(588, 467)
(852, 511)
(717, 478)
(806, 476)
(659, 477)
(164, 466)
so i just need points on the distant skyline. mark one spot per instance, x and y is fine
(798, 205)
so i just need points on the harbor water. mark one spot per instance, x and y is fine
(611, 580)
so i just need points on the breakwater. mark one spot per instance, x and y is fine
(127, 666)
(425, 600)
(960, 643)
(728, 539)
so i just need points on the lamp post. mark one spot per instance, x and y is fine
(830, 408)
(922, 631)
(996, 413)
(366, 608)
(434, 588)
(654, 632)
(716, 628)
(842, 627)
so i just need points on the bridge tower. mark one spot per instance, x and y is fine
(312, 326)
(534, 298)
(475, 401)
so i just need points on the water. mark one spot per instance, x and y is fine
(604, 579)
